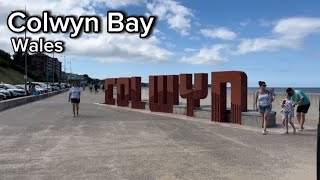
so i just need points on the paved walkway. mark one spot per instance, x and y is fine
(43, 141)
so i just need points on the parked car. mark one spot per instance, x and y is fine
(38, 88)
(14, 91)
(6, 93)
(43, 86)
(63, 85)
(22, 88)
(55, 87)
(2, 97)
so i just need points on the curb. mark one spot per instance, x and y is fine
(12, 103)
(276, 131)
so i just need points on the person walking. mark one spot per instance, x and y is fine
(303, 103)
(91, 88)
(262, 104)
(74, 97)
(33, 90)
(102, 87)
(95, 88)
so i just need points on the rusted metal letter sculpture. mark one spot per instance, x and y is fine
(163, 93)
(239, 95)
(135, 94)
(108, 84)
(193, 95)
(123, 91)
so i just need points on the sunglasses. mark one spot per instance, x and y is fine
(264, 85)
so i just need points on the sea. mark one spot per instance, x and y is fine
(283, 89)
(276, 89)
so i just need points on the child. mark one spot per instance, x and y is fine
(287, 112)
(271, 97)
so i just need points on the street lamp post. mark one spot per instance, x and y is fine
(53, 70)
(25, 57)
(47, 73)
(65, 70)
(318, 144)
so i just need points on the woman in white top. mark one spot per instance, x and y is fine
(262, 104)
(74, 97)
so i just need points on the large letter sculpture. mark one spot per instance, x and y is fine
(127, 89)
(193, 95)
(219, 82)
(136, 94)
(109, 83)
(123, 91)
(163, 93)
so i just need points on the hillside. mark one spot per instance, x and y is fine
(11, 76)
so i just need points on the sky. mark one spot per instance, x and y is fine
(274, 41)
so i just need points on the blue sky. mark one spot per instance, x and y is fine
(275, 41)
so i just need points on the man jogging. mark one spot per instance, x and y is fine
(303, 103)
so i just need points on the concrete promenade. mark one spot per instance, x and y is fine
(42, 140)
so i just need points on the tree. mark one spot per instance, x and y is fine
(5, 56)
(17, 57)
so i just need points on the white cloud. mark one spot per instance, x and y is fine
(266, 23)
(219, 33)
(287, 33)
(177, 16)
(190, 50)
(264, 44)
(119, 48)
(296, 28)
(244, 23)
(119, 3)
(212, 56)
(103, 47)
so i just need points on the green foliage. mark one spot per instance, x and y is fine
(4, 63)
(12, 71)
(5, 56)
(36, 76)
(18, 68)
(16, 65)
(11, 76)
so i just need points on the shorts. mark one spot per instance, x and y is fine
(287, 114)
(303, 108)
(263, 109)
(75, 100)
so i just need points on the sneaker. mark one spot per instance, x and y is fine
(264, 132)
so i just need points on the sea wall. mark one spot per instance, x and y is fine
(313, 113)
(11, 103)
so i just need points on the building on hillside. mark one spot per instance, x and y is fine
(42, 63)
(57, 67)
(76, 77)
(64, 77)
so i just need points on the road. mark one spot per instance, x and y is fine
(43, 141)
